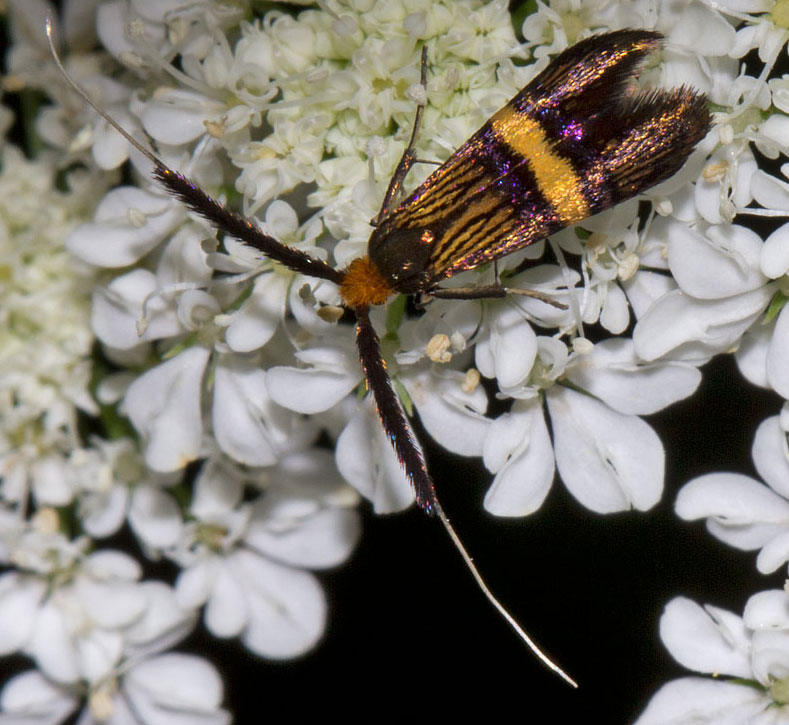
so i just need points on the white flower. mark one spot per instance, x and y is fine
(246, 563)
(608, 458)
(45, 334)
(30, 697)
(742, 511)
(165, 688)
(74, 629)
(247, 425)
(128, 223)
(753, 650)
(721, 294)
(144, 685)
(224, 354)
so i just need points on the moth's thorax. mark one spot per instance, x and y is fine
(363, 285)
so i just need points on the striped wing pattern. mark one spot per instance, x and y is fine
(573, 142)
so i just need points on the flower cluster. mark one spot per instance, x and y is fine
(329, 87)
(210, 353)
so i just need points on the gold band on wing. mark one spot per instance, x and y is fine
(466, 232)
(556, 178)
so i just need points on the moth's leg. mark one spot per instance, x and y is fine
(408, 158)
(491, 291)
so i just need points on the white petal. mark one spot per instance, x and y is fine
(240, 414)
(778, 355)
(155, 517)
(751, 355)
(707, 194)
(773, 554)
(453, 417)
(724, 263)
(510, 348)
(613, 373)
(110, 24)
(706, 639)
(99, 653)
(518, 450)
(163, 623)
(193, 585)
(109, 148)
(366, 460)
(678, 323)
(52, 648)
(644, 288)
(770, 455)
(731, 496)
(770, 192)
(176, 689)
(20, 597)
(176, 116)
(215, 493)
(703, 31)
(111, 604)
(102, 514)
(322, 540)
(163, 404)
(116, 238)
(704, 702)
(111, 563)
(315, 389)
(195, 307)
(30, 699)
(740, 511)
(226, 610)
(258, 317)
(775, 253)
(615, 315)
(117, 311)
(608, 461)
(310, 477)
(51, 485)
(770, 656)
(287, 608)
(768, 609)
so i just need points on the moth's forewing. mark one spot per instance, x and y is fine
(575, 141)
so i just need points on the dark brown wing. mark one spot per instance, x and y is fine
(573, 142)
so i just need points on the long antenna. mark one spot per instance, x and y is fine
(395, 423)
(82, 93)
(498, 606)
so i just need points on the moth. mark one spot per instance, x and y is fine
(576, 140)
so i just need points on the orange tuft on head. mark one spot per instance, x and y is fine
(363, 285)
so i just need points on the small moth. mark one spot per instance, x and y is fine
(575, 141)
